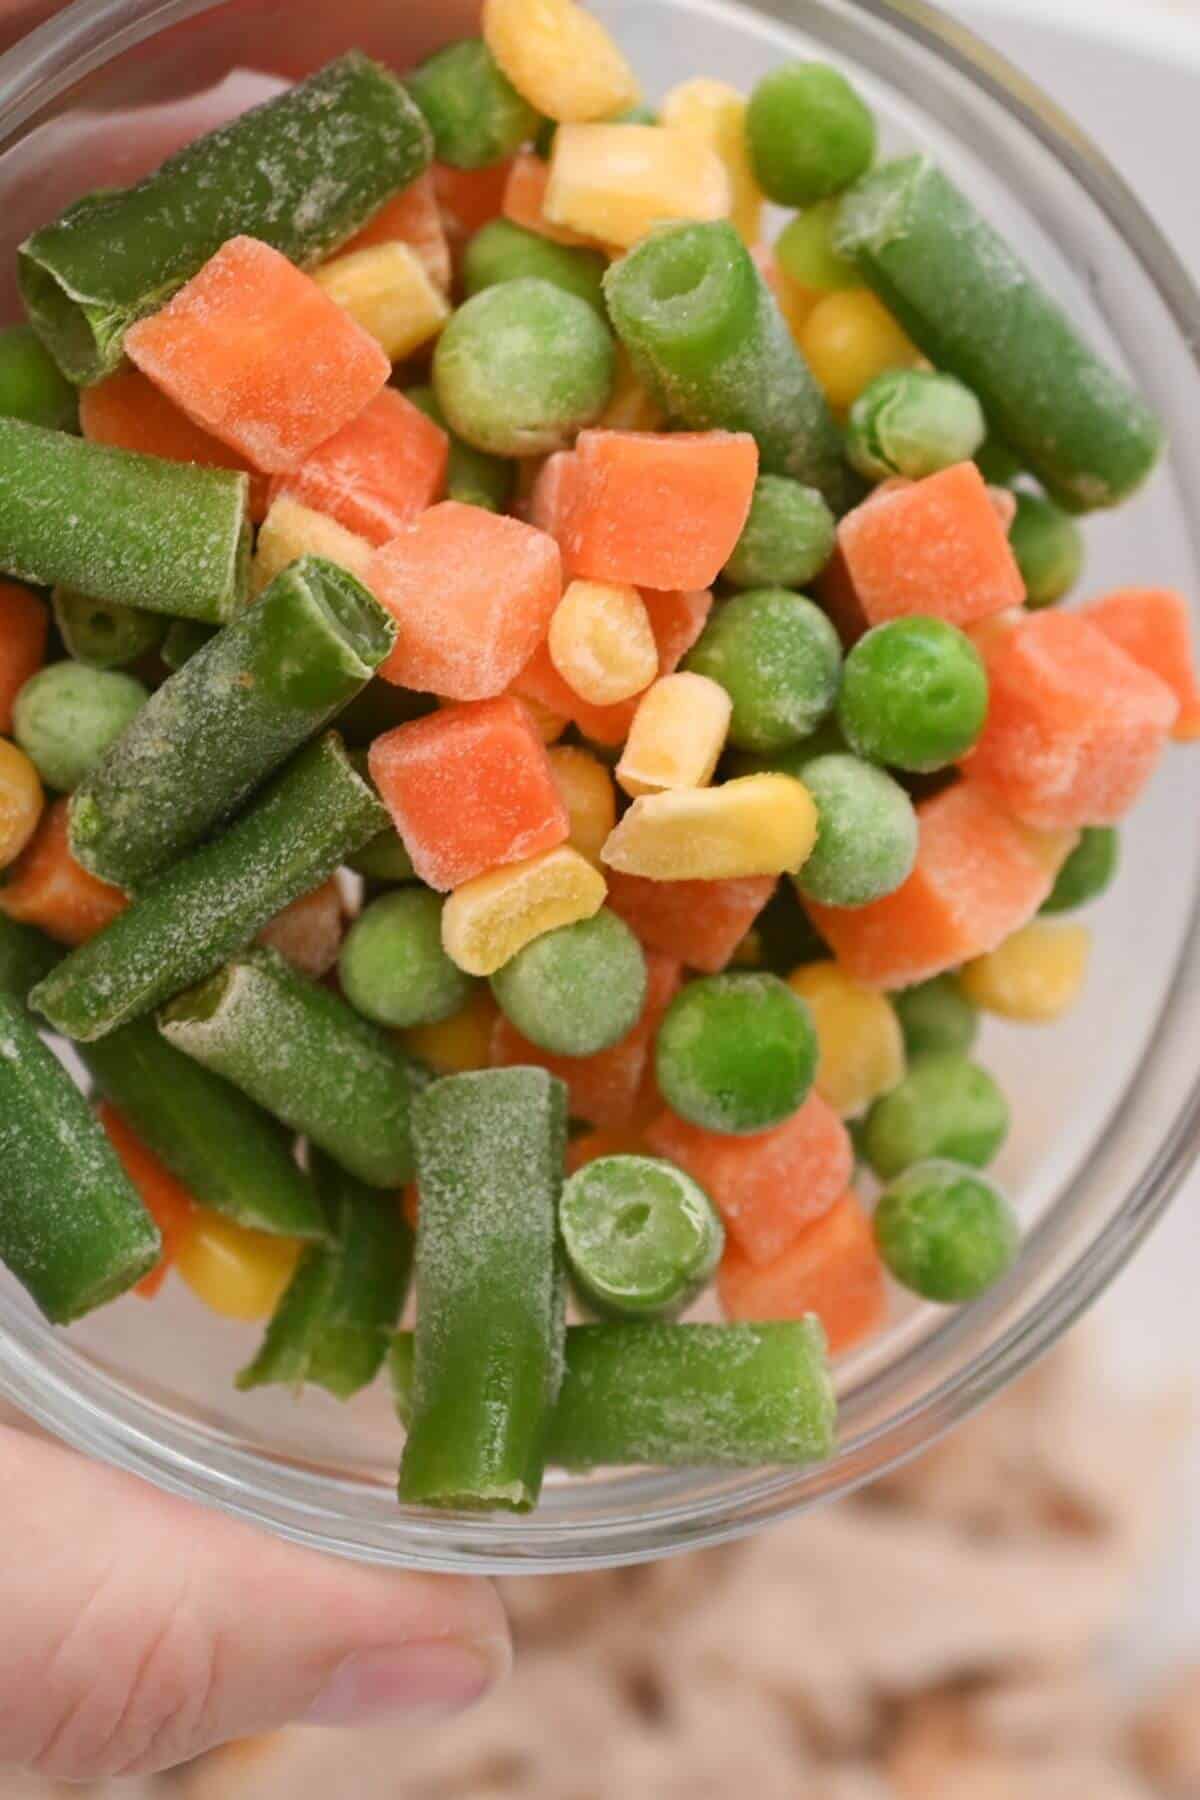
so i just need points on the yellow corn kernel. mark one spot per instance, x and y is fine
(677, 735)
(858, 1034)
(602, 643)
(233, 1270)
(848, 339)
(714, 113)
(615, 182)
(756, 825)
(630, 408)
(588, 794)
(460, 1043)
(486, 921)
(387, 290)
(21, 801)
(1049, 848)
(560, 58)
(291, 530)
(1034, 976)
(549, 724)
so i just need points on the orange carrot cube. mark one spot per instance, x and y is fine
(832, 1269)
(472, 592)
(1154, 627)
(469, 788)
(167, 1201)
(550, 495)
(702, 922)
(768, 1187)
(1075, 727)
(24, 624)
(377, 473)
(308, 933)
(46, 887)
(411, 217)
(255, 352)
(468, 198)
(126, 409)
(933, 546)
(656, 509)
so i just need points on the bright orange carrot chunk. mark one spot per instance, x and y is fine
(525, 201)
(411, 217)
(933, 546)
(608, 1089)
(46, 887)
(978, 877)
(768, 1187)
(1075, 727)
(308, 933)
(550, 495)
(702, 922)
(376, 474)
(472, 592)
(126, 409)
(832, 1269)
(469, 788)
(167, 1201)
(468, 198)
(659, 510)
(24, 624)
(255, 352)
(1154, 627)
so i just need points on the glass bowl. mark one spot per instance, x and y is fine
(1106, 1105)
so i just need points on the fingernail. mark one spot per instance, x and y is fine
(433, 1678)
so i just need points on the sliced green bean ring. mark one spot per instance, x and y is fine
(641, 1237)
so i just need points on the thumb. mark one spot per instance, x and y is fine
(139, 1630)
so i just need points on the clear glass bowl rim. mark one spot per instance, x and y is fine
(81, 1405)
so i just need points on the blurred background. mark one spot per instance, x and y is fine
(1016, 1616)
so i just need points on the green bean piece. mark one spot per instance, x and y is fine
(680, 1396)
(1048, 546)
(25, 956)
(1071, 419)
(473, 476)
(1088, 872)
(945, 1232)
(102, 634)
(707, 339)
(208, 906)
(488, 1352)
(475, 113)
(73, 1229)
(787, 539)
(300, 1051)
(214, 732)
(67, 716)
(641, 1237)
(170, 537)
(335, 1321)
(913, 422)
(184, 637)
(302, 172)
(501, 251)
(32, 387)
(227, 1153)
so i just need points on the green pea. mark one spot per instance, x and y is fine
(392, 966)
(32, 387)
(914, 695)
(102, 634)
(736, 1053)
(945, 1233)
(578, 989)
(804, 251)
(944, 1106)
(778, 658)
(866, 833)
(66, 716)
(472, 476)
(475, 113)
(1088, 871)
(998, 465)
(384, 858)
(810, 134)
(520, 368)
(913, 422)
(501, 251)
(1048, 546)
(787, 539)
(936, 1015)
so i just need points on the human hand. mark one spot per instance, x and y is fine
(139, 1630)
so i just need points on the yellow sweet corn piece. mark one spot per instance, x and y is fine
(1034, 976)
(714, 113)
(602, 643)
(1050, 848)
(858, 1034)
(291, 530)
(387, 289)
(21, 801)
(631, 408)
(549, 724)
(486, 921)
(589, 796)
(233, 1270)
(677, 735)
(460, 1043)
(756, 825)
(560, 58)
(848, 339)
(615, 182)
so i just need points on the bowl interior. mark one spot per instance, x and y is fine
(1101, 1103)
